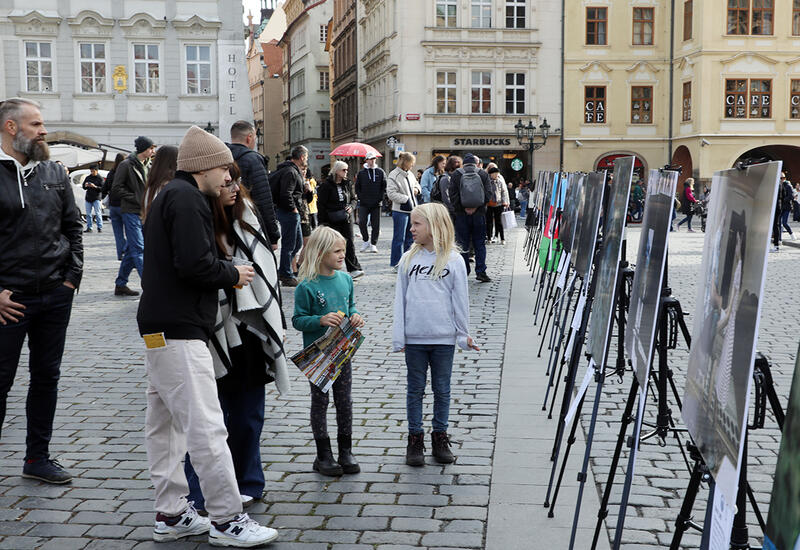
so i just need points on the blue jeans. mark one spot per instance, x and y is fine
(523, 208)
(291, 240)
(115, 214)
(134, 249)
(94, 207)
(471, 229)
(785, 220)
(243, 410)
(45, 324)
(401, 237)
(440, 359)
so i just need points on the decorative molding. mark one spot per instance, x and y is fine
(35, 24)
(143, 25)
(90, 24)
(749, 56)
(197, 28)
(592, 64)
(646, 65)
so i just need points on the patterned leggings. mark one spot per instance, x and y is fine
(343, 401)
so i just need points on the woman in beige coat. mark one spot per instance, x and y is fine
(403, 190)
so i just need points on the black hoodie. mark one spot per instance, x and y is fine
(254, 177)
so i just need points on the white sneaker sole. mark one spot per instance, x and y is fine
(171, 536)
(233, 543)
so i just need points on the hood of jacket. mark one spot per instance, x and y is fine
(24, 173)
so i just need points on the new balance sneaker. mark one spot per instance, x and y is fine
(373, 249)
(247, 501)
(45, 469)
(240, 532)
(177, 527)
(356, 274)
(365, 246)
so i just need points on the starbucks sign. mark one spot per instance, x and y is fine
(516, 165)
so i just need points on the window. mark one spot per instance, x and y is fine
(482, 13)
(763, 11)
(760, 98)
(738, 16)
(297, 85)
(325, 128)
(796, 18)
(515, 93)
(687, 102)
(481, 92)
(198, 69)
(643, 26)
(445, 92)
(93, 68)
(594, 105)
(596, 26)
(297, 128)
(641, 104)
(794, 99)
(687, 19)
(324, 81)
(446, 13)
(38, 66)
(515, 14)
(146, 68)
(323, 33)
(735, 98)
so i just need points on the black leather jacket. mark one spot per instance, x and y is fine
(254, 176)
(41, 244)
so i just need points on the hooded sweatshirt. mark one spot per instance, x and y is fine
(431, 311)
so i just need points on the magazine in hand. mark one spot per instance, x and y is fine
(322, 360)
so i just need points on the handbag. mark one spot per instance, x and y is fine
(406, 206)
(337, 216)
(509, 220)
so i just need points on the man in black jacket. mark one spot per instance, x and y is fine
(93, 183)
(370, 187)
(470, 223)
(41, 264)
(176, 317)
(254, 176)
(128, 186)
(287, 207)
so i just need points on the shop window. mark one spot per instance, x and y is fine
(641, 105)
(735, 98)
(687, 102)
(760, 98)
(739, 105)
(596, 26)
(794, 99)
(594, 105)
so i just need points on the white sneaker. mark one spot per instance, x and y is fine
(365, 246)
(373, 249)
(356, 274)
(247, 500)
(241, 532)
(773, 249)
(189, 523)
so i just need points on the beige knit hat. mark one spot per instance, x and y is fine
(200, 151)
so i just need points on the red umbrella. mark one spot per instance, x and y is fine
(354, 149)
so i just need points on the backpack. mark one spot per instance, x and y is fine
(436, 192)
(274, 180)
(473, 194)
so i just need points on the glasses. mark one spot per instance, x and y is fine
(232, 184)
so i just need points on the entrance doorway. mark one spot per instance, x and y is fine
(789, 154)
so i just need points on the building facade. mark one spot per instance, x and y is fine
(306, 80)
(114, 70)
(343, 73)
(454, 76)
(703, 87)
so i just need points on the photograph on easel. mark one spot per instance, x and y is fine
(549, 251)
(586, 232)
(569, 216)
(727, 312)
(783, 525)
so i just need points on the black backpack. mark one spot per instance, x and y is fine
(436, 192)
(274, 180)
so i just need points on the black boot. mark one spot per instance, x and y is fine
(441, 448)
(346, 459)
(415, 452)
(324, 463)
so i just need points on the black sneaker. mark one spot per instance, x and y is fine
(88, 230)
(288, 281)
(124, 291)
(99, 229)
(482, 277)
(415, 451)
(45, 469)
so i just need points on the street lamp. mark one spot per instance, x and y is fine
(209, 128)
(526, 135)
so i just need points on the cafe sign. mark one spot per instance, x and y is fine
(481, 142)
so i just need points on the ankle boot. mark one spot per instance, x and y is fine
(324, 463)
(346, 459)
(415, 452)
(440, 444)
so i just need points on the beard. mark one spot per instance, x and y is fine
(33, 149)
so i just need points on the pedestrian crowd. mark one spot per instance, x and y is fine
(201, 224)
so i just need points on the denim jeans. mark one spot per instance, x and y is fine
(45, 324)
(93, 208)
(440, 359)
(134, 249)
(243, 410)
(401, 237)
(115, 215)
(687, 220)
(523, 208)
(291, 240)
(785, 220)
(471, 229)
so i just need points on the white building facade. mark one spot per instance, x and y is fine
(112, 70)
(454, 76)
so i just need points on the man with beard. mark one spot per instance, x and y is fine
(41, 263)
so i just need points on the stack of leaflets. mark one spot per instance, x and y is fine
(322, 361)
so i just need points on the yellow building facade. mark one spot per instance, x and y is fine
(733, 87)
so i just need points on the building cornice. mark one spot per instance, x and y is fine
(89, 23)
(143, 25)
(35, 23)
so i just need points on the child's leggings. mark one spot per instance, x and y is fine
(343, 401)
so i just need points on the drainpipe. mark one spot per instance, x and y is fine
(671, 77)
(561, 138)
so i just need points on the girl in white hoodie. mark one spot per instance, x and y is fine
(431, 315)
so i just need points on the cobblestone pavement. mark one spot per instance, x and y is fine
(389, 506)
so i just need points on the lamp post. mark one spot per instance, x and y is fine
(209, 128)
(527, 134)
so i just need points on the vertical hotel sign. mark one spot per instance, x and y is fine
(234, 87)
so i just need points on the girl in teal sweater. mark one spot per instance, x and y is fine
(324, 294)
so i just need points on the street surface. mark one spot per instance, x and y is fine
(489, 499)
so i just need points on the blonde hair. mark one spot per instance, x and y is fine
(321, 241)
(405, 160)
(442, 232)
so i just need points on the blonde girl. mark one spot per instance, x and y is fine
(431, 316)
(323, 297)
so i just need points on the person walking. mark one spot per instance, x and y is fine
(402, 189)
(431, 316)
(311, 190)
(287, 193)
(41, 264)
(247, 346)
(786, 198)
(323, 299)
(336, 201)
(796, 202)
(469, 193)
(93, 184)
(452, 164)
(370, 187)
(128, 186)
(114, 208)
(162, 171)
(176, 315)
(687, 204)
(523, 194)
(430, 175)
(497, 205)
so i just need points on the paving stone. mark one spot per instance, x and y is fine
(21, 543)
(357, 524)
(58, 530)
(60, 543)
(390, 537)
